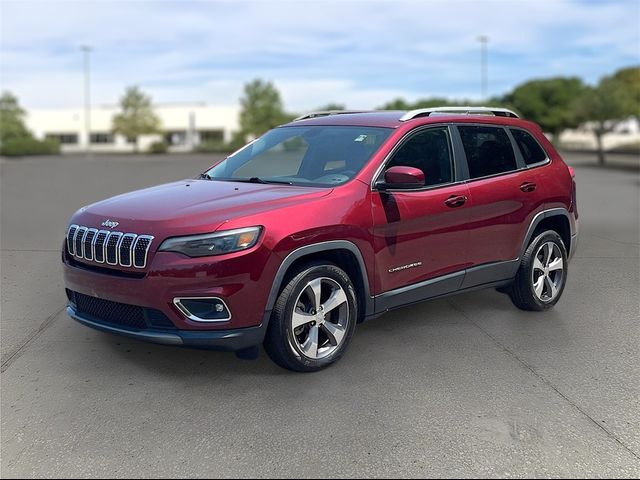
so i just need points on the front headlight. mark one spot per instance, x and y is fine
(213, 243)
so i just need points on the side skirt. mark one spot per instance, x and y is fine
(483, 276)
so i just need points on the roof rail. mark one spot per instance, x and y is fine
(326, 113)
(425, 112)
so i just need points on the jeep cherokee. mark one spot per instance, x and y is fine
(322, 223)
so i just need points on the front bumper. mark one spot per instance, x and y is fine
(242, 282)
(225, 340)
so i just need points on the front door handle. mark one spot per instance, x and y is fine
(455, 201)
(528, 187)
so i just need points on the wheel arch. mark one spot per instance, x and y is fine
(556, 219)
(343, 253)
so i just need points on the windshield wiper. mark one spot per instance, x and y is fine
(205, 176)
(260, 180)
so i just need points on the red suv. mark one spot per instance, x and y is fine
(327, 221)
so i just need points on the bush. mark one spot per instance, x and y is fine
(213, 146)
(19, 147)
(158, 147)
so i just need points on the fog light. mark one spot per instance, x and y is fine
(203, 309)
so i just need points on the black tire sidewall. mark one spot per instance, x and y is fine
(526, 273)
(283, 312)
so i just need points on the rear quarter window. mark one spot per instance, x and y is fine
(530, 149)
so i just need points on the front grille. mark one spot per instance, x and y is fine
(121, 314)
(113, 248)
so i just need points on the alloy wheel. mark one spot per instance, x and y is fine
(547, 272)
(320, 319)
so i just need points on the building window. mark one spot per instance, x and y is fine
(64, 138)
(101, 138)
(211, 135)
(178, 137)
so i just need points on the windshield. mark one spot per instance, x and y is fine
(312, 155)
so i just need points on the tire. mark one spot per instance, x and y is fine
(296, 321)
(541, 278)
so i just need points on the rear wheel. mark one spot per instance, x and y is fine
(313, 319)
(542, 275)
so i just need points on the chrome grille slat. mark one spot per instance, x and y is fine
(78, 240)
(126, 249)
(99, 245)
(140, 250)
(103, 246)
(70, 238)
(88, 243)
(113, 242)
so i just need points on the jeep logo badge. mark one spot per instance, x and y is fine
(110, 224)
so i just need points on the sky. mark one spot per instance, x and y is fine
(358, 53)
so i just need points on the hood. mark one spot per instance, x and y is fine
(191, 206)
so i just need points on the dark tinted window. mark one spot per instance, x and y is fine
(531, 151)
(488, 150)
(430, 151)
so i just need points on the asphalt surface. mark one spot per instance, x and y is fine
(466, 386)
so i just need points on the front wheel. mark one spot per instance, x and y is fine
(313, 319)
(542, 275)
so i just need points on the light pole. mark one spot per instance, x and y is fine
(484, 80)
(86, 49)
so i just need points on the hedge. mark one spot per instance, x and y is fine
(19, 147)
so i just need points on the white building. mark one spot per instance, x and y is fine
(582, 138)
(183, 125)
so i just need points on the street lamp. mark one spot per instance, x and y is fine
(484, 40)
(86, 49)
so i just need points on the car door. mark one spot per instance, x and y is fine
(504, 194)
(421, 234)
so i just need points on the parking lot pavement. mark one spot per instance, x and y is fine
(462, 386)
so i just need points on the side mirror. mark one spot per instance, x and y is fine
(404, 178)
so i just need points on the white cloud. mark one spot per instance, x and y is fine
(359, 53)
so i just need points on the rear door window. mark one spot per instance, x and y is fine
(530, 149)
(488, 150)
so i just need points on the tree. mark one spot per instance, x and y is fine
(137, 117)
(431, 102)
(629, 81)
(261, 108)
(603, 107)
(11, 119)
(331, 106)
(548, 102)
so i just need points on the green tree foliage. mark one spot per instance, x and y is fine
(15, 139)
(628, 80)
(261, 108)
(137, 116)
(331, 106)
(548, 102)
(23, 146)
(614, 99)
(11, 118)
(402, 104)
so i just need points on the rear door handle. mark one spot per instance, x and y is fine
(455, 201)
(528, 187)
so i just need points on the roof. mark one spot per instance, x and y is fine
(397, 118)
(376, 118)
